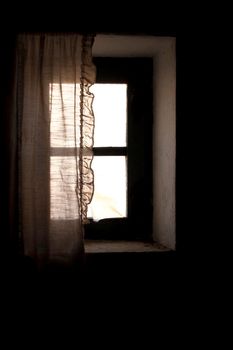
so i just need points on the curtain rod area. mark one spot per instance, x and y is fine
(56, 32)
(102, 32)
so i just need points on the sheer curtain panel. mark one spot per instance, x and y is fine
(55, 139)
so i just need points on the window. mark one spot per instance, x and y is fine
(122, 150)
(62, 146)
(37, 175)
(110, 167)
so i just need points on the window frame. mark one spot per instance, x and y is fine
(137, 73)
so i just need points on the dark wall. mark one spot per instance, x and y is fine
(7, 57)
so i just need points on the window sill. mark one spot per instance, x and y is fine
(103, 246)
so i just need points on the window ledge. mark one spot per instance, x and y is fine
(103, 246)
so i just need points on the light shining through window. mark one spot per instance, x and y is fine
(110, 189)
(63, 125)
(110, 104)
(109, 200)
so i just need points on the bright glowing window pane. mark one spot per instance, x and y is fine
(110, 109)
(63, 199)
(64, 113)
(65, 110)
(109, 200)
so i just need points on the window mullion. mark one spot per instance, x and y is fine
(110, 151)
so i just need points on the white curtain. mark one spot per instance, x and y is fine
(55, 139)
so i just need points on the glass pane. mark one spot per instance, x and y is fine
(109, 200)
(110, 110)
(63, 179)
(64, 105)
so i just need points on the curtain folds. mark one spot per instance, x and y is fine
(55, 138)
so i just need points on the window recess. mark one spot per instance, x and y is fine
(122, 150)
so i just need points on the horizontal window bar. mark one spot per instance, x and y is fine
(110, 151)
(69, 151)
(97, 151)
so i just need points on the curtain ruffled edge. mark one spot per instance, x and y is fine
(86, 174)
